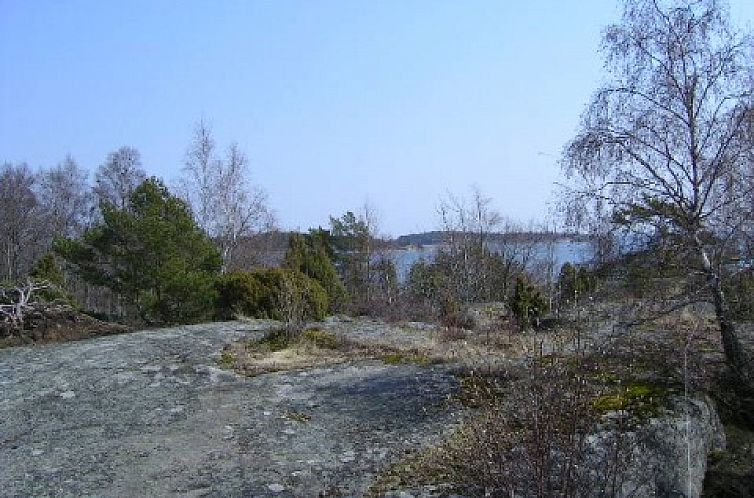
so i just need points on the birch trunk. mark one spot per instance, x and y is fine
(735, 356)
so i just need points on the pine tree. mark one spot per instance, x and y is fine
(152, 253)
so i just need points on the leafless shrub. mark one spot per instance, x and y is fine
(292, 308)
(535, 449)
(538, 434)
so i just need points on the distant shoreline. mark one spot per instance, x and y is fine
(435, 238)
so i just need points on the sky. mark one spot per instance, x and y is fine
(335, 103)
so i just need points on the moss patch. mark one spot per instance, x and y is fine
(227, 360)
(641, 399)
(297, 416)
(427, 467)
(399, 358)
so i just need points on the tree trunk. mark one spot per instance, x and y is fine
(735, 356)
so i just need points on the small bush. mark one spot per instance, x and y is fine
(187, 296)
(227, 360)
(48, 270)
(527, 304)
(528, 437)
(321, 338)
(267, 293)
(639, 279)
(275, 340)
(239, 293)
(650, 273)
(575, 282)
(452, 314)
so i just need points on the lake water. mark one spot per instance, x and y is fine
(563, 251)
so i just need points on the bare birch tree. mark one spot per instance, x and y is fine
(118, 177)
(227, 207)
(666, 144)
(241, 208)
(19, 221)
(65, 199)
(201, 169)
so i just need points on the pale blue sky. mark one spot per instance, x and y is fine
(334, 102)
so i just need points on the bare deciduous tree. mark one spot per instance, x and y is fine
(226, 206)
(19, 221)
(65, 199)
(201, 169)
(117, 178)
(666, 144)
(242, 208)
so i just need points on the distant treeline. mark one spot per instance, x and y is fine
(275, 242)
(440, 236)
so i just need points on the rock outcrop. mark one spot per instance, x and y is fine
(152, 414)
(667, 455)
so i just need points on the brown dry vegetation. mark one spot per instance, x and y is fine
(58, 323)
(341, 340)
(277, 351)
(530, 414)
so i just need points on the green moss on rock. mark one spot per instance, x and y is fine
(641, 399)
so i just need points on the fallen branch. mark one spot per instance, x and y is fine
(20, 298)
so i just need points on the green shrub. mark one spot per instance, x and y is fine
(402, 358)
(424, 281)
(458, 277)
(227, 360)
(261, 294)
(574, 283)
(187, 296)
(311, 254)
(454, 314)
(46, 269)
(527, 304)
(239, 292)
(309, 291)
(652, 272)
